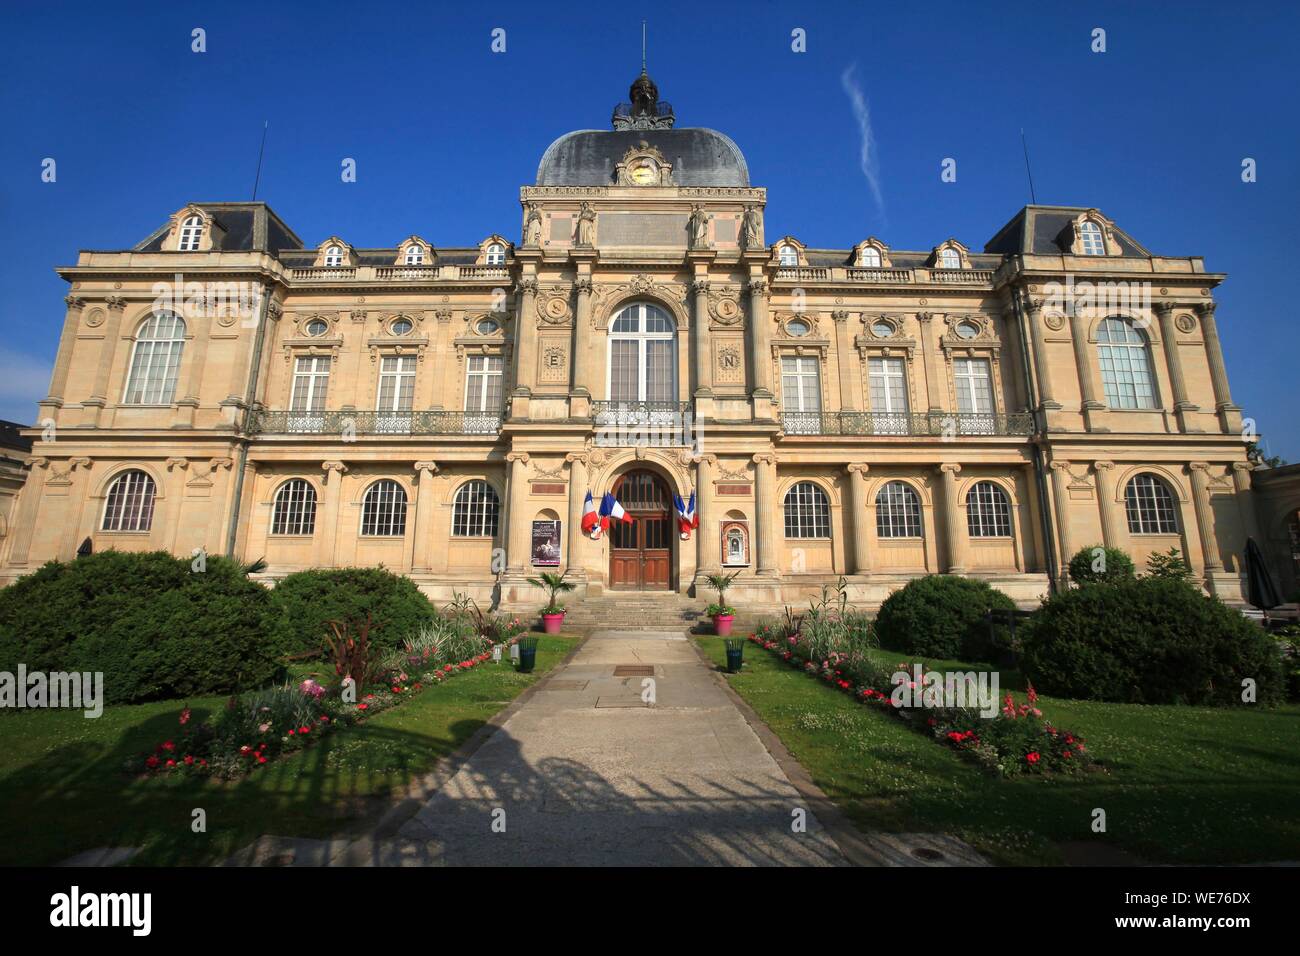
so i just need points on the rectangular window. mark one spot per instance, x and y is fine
(887, 383)
(801, 395)
(396, 383)
(483, 390)
(311, 376)
(1126, 376)
(974, 386)
(624, 371)
(154, 367)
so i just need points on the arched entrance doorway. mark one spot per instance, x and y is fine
(641, 550)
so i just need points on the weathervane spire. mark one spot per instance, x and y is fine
(642, 46)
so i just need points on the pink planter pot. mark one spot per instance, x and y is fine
(722, 624)
(551, 623)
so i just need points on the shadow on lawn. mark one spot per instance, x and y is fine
(81, 796)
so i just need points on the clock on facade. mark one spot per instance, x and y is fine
(644, 173)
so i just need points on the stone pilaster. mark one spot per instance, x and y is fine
(1090, 405)
(956, 519)
(575, 552)
(760, 348)
(518, 545)
(707, 536)
(332, 473)
(1200, 472)
(1114, 524)
(424, 509)
(860, 552)
(766, 513)
(1183, 406)
(1229, 414)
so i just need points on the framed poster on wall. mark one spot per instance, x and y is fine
(546, 544)
(735, 544)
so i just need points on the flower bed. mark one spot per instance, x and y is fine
(1019, 739)
(259, 726)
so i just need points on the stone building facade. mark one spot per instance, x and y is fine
(872, 412)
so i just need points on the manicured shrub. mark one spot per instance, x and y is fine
(305, 603)
(942, 616)
(153, 626)
(1169, 564)
(1149, 641)
(1100, 565)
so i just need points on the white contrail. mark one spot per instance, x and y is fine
(862, 112)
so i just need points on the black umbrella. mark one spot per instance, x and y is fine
(1260, 589)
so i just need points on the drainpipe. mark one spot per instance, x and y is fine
(244, 440)
(1045, 513)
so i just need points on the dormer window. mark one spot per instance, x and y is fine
(496, 254)
(950, 259)
(1090, 240)
(414, 255)
(334, 256)
(869, 258)
(789, 256)
(191, 233)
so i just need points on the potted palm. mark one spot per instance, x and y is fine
(553, 613)
(721, 612)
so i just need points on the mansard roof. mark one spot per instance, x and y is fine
(700, 157)
(1040, 230)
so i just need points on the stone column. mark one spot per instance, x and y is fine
(700, 339)
(760, 349)
(1114, 525)
(956, 519)
(1246, 499)
(581, 363)
(424, 509)
(1229, 414)
(1204, 514)
(860, 553)
(1084, 365)
(707, 536)
(766, 513)
(29, 505)
(1183, 407)
(1046, 394)
(526, 336)
(107, 362)
(518, 544)
(332, 473)
(933, 390)
(847, 361)
(1061, 499)
(575, 566)
(67, 342)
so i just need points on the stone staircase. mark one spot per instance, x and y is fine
(648, 611)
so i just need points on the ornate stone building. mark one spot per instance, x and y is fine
(869, 412)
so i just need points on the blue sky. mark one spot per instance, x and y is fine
(1153, 131)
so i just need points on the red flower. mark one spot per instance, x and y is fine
(1032, 756)
(189, 761)
(185, 716)
(168, 746)
(359, 707)
(304, 730)
(290, 733)
(245, 749)
(171, 763)
(151, 763)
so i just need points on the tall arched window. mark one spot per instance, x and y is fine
(898, 511)
(642, 355)
(869, 257)
(807, 512)
(789, 256)
(383, 510)
(129, 505)
(414, 255)
(475, 512)
(156, 360)
(1149, 504)
(988, 512)
(334, 256)
(496, 254)
(950, 258)
(1125, 364)
(295, 508)
(191, 232)
(1090, 239)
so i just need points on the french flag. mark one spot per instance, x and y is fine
(686, 516)
(589, 517)
(610, 508)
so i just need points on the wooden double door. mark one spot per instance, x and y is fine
(641, 550)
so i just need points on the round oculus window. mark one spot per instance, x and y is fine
(401, 327)
(317, 327)
(797, 327)
(882, 330)
(487, 327)
(967, 330)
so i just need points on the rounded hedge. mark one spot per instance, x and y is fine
(306, 601)
(154, 627)
(1148, 641)
(1100, 565)
(942, 616)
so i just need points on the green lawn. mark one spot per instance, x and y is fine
(63, 788)
(1182, 784)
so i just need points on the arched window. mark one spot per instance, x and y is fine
(383, 510)
(1090, 239)
(869, 258)
(1125, 364)
(191, 232)
(129, 505)
(789, 256)
(334, 256)
(155, 360)
(1149, 504)
(988, 513)
(496, 254)
(414, 255)
(475, 512)
(642, 355)
(295, 508)
(807, 512)
(898, 511)
(949, 258)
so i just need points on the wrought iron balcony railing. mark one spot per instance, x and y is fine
(931, 424)
(650, 424)
(352, 423)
